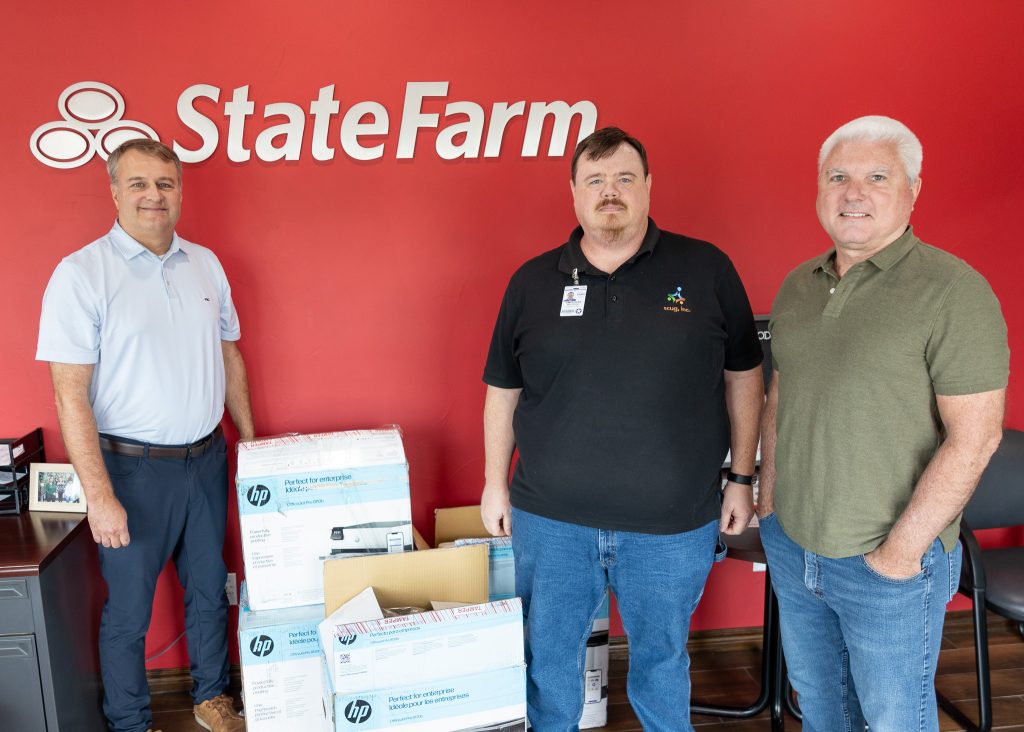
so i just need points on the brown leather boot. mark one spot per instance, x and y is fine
(218, 715)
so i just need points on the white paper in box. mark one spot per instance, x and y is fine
(303, 498)
(429, 645)
(281, 660)
(493, 700)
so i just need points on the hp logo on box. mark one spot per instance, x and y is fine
(262, 646)
(358, 711)
(258, 495)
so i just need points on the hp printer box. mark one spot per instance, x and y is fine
(491, 701)
(305, 498)
(407, 649)
(460, 668)
(463, 527)
(281, 678)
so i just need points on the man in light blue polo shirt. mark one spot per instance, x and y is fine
(141, 335)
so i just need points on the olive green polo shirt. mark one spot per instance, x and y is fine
(860, 361)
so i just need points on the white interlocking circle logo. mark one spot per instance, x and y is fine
(92, 125)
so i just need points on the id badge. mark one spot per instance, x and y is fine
(573, 299)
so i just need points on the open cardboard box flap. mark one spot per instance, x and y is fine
(458, 523)
(409, 578)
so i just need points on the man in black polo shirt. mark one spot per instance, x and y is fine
(624, 364)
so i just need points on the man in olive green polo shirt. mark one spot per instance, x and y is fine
(891, 364)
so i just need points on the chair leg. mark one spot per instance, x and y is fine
(792, 706)
(981, 659)
(778, 674)
(768, 645)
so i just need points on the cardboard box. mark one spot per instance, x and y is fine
(460, 668)
(414, 578)
(463, 527)
(403, 650)
(281, 661)
(305, 498)
(492, 701)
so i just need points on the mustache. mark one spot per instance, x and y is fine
(614, 201)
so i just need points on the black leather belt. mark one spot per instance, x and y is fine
(132, 449)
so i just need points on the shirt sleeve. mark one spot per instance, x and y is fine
(230, 329)
(69, 325)
(968, 351)
(502, 368)
(742, 349)
(777, 305)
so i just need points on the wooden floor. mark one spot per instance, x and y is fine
(726, 670)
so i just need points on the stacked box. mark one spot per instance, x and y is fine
(459, 668)
(402, 650)
(491, 700)
(306, 498)
(281, 678)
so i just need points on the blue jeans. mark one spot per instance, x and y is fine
(860, 647)
(562, 571)
(176, 509)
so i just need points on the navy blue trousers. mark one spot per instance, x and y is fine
(177, 509)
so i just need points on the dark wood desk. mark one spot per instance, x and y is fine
(51, 595)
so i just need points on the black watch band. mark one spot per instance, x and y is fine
(741, 479)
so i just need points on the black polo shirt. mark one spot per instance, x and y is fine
(621, 423)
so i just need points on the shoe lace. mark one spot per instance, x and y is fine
(221, 704)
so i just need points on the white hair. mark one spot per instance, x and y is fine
(876, 128)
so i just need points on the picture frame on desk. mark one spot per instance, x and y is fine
(55, 487)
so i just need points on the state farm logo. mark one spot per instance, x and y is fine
(242, 127)
(92, 125)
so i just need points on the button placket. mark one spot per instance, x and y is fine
(840, 291)
(165, 277)
(615, 302)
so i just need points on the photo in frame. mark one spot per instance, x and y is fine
(55, 487)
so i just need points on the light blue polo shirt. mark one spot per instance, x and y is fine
(152, 326)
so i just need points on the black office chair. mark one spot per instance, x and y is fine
(994, 578)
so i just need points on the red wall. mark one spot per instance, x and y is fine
(367, 290)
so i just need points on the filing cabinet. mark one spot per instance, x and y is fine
(51, 595)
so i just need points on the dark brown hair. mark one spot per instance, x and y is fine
(605, 142)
